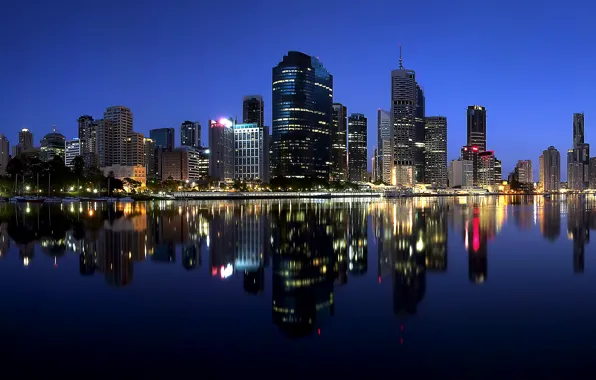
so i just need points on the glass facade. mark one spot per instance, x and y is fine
(163, 138)
(339, 126)
(302, 96)
(190, 134)
(249, 152)
(357, 157)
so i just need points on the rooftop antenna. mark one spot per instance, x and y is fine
(401, 66)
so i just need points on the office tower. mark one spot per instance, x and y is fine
(552, 169)
(253, 110)
(419, 142)
(221, 145)
(541, 170)
(4, 154)
(498, 171)
(135, 149)
(203, 169)
(578, 163)
(190, 134)
(486, 169)
(524, 170)
(195, 162)
(339, 153)
(592, 173)
(302, 95)
(404, 109)
(375, 167)
(578, 129)
(72, 150)
(163, 138)
(477, 127)
(149, 160)
(174, 165)
(470, 153)
(25, 140)
(384, 140)
(357, 148)
(88, 130)
(435, 145)
(117, 126)
(52, 144)
(250, 153)
(461, 173)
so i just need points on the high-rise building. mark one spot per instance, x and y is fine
(592, 172)
(135, 149)
(470, 153)
(578, 164)
(385, 150)
(163, 138)
(251, 152)
(498, 171)
(190, 134)
(419, 147)
(524, 170)
(174, 165)
(88, 130)
(461, 173)
(72, 150)
(486, 169)
(339, 159)
(404, 107)
(253, 110)
(302, 95)
(541, 170)
(25, 139)
(4, 154)
(203, 169)
(552, 169)
(477, 127)
(149, 161)
(435, 145)
(357, 147)
(116, 135)
(578, 129)
(221, 146)
(52, 145)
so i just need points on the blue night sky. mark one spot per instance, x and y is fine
(529, 62)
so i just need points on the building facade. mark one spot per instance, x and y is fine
(498, 171)
(476, 131)
(253, 110)
(121, 172)
(435, 144)
(135, 149)
(461, 173)
(72, 150)
(25, 139)
(174, 165)
(541, 170)
(339, 151)
(149, 159)
(221, 145)
(4, 154)
(385, 146)
(163, 138)
(552, 169)
(420, 139)
(52, 145)
(302, 97)
(470, 153)
(524, 170)
(357, 148)
(250, 153)
(486, 169)
(88, 130)
(118, 124)
(578, 129)
(190, 134)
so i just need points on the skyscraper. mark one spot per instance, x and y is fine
(419, 147)
(72, 150)
(149, 161)
(339, 159)
(357, 150)
(477, 127)
(52, 144)
(435, 144)
(25, 139)
(120, 123)
(524, 170)
(578, 129)
(190, 134)
(404, 104)
(470, 153)
(135, 149)
(486, 169)
(4, 154)
(541, 169)
(302, 95)
(385, 150)
(221, 146)
(88, 139)
(253, 110)
(163, 138)
(552, 169)
(250, 152)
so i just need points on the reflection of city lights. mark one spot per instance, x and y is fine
(26, 261)
(90, 212)
(226, 271)
(214, 271)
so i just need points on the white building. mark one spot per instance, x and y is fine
(71, 150)
(251, 147)
(461, 173)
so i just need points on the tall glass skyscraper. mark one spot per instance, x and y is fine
(190, 134)
(302, 96)
(163, 138)
(357, 152)
(477, 127)
(339, 152)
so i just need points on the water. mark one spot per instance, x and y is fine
(494, 287)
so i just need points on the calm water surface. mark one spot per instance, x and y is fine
(493, 286)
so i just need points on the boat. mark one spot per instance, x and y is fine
(20, 198)
(125, 199)
(70, 200)
(52, 200)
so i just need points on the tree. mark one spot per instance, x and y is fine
(78, 168)
(14, 167)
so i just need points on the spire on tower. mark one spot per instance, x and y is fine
(401, 66)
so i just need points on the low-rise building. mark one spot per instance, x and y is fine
(137, 173)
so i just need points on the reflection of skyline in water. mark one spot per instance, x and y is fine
(312, 248)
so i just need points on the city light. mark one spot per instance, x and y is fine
(225, 122)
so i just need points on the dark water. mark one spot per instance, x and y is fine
(490, 287)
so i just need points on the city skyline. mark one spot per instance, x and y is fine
(207, 94)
